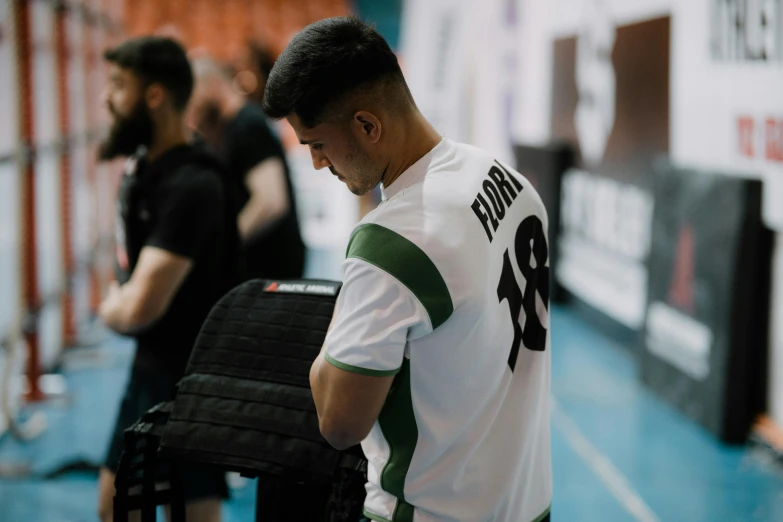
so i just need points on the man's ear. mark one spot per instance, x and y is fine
(155, 96)
(368, 125)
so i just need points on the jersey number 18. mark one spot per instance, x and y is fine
(529, 240)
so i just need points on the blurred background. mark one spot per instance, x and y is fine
(653, 130)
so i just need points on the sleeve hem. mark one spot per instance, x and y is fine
(162, 245)
(357, 369)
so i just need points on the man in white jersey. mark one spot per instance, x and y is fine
(438, 356)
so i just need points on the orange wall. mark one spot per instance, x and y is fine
(224, 27)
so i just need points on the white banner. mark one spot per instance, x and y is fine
(435, 49)
(459, 60)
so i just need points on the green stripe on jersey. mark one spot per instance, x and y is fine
(359, 369)
(373, 516)
(403, 512)
(398, 425)
(406, 262)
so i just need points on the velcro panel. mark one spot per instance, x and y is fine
(258, 335)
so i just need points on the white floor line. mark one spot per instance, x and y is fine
(612, 478)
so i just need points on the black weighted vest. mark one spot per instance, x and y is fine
(245, 404)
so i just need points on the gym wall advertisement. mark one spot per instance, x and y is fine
(610, 97)
(705, 336)
(639, 86)
(727, 114)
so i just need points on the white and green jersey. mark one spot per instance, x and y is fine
(446, 287)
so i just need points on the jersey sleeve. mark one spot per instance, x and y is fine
(392, 293)
(376, 315)
(188, 212)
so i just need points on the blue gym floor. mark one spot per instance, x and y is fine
(619, 453)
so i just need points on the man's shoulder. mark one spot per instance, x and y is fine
(251, 116)
(458, 155)
(389, 215)
(192, 180)
(250, 139)
(401, 255)
(392, 240)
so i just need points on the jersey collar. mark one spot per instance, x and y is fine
(415, 172)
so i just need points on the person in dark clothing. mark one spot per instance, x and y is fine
(177, 248)
(268, 223)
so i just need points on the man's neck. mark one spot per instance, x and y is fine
(166, 138)
(416, 139)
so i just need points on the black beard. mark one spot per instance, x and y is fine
(128, 134)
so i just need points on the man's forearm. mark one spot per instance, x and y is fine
(319, 389)
(118, 319)
(316, 380)
(256, 217)
(317, 386)
(266, 183)
(339, 430)
(124, 314)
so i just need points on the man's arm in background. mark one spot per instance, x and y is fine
(188, 213)
(147, 295)
(269, 198)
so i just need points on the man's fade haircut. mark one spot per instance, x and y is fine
(156, 59)
(327, 61)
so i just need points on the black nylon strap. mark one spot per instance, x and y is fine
(248, 391)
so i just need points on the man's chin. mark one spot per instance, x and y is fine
(358, 191)
(107, 153)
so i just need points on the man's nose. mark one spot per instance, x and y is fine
(319, 160)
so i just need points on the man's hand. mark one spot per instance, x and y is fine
(147, 295)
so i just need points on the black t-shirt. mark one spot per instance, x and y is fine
(278, 252)
(177, 204)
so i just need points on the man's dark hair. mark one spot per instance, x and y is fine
(156, 59)
(326, 62)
